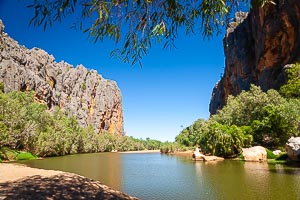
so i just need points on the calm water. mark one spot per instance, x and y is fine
(156, 176)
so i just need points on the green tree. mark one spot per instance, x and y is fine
(292, 88)
(247, 106)
(190, 135)
(140, 23)
(224, 140)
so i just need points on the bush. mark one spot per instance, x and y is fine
(292, 88)
(282, 156)
(270, 154)
(241, 157)
(8, 154)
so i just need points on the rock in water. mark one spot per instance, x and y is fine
(256, 153)
(257, 47)
(82, 93)
(293, 148)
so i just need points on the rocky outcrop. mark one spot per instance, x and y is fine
(292, 148)
(198, 156)
(257, 46)
(256, 154)
(82, 93)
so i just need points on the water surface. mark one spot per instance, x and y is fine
(157, 176)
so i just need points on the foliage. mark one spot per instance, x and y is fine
(282, 156)
(190, 135)
(292, 88)
(28, 126)
(247, 106)
(1, 87)
(270, 154)
(251, 118)
(140, 23)
(25, 156)
(171, 147)
(215, 138)
(224, 140)
(272, 118)
(8, 154)
(276, 159)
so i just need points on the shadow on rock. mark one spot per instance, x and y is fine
(62, 186)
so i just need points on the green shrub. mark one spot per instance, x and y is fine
(25, 156)
(8, 154)
(282, 156)
(83, 86)
(241, 157)
(270, 154)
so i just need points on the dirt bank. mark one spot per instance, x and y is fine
(21, 182)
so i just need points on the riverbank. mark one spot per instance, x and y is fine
(142, 151)
(21, 182)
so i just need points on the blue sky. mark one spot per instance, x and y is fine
(171, 91)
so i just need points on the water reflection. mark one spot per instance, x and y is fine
(290, 169)
(248, 180)
(104, 167)
(156, 176)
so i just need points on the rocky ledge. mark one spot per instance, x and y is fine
(82, 93)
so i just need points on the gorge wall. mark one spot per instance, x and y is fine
(84, 94)
(258, 45)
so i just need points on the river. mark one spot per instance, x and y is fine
(158, 176)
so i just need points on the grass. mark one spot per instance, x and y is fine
(270, 154)
(274, 161)
(25, 156)
(9, 154)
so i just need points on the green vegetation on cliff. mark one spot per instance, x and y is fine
(251, 118)
(292, 88)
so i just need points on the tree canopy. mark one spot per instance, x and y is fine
(136, 24)
(251, 118)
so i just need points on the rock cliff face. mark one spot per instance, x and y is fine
(84, 94)
(257, 47)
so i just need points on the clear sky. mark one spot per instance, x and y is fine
(171, 91)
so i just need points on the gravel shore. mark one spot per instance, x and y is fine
(21, 182)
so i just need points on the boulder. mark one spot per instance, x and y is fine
(256, 154)
(293, 148)
(276, 152)
(198, 156)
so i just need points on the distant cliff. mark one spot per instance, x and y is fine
(257, 47)
(84, 94)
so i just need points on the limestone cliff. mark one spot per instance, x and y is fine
(257, 46)
(84, 94)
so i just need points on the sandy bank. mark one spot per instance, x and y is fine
(21, 182)
(142, 151)
(183, 153)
